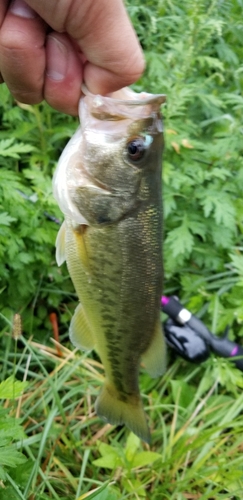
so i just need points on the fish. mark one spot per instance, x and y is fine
(108, 186)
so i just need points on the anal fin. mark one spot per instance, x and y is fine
(80, 332)
(154, 359)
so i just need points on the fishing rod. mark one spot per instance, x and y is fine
(190, 338)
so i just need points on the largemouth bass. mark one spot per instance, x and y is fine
(108, 185)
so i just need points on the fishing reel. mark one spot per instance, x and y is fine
(189, 337)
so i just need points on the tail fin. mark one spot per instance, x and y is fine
(118, 412)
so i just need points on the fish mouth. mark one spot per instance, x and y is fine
(126, 96)
(93, 182)
(122, 104)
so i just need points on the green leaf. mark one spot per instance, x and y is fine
(134, 486)
(13, 150)
(180, 239)
(11, 457)
(237, 261)
(11, 388)
(224, 211)
(109, 462)
(210, 62)
(110, 457)
(222, 237)
(6, 219)
(132, 445)
(145, 458)
(106, 449)
(220, 204)
(10, 430)
(182, 393)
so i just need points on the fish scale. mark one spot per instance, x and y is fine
(112, 242)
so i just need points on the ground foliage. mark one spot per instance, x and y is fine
(193, 52)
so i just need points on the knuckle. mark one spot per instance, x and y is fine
(13, 40)
(26, 97)
(134, 66)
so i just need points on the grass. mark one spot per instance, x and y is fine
(194, 54)
(194, 412)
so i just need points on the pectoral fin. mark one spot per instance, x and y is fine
(80, 332)
(60, 245)
(154, 359)
(79, 233)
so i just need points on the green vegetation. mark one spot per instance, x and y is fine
(52, 444)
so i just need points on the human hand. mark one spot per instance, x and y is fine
(49, 47)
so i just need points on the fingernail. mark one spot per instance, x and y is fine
(57, 59)
(21, 9)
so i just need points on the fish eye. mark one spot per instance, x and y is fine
(136, 148)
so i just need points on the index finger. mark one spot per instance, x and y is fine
(105, 36)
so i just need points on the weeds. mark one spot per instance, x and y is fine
(52, 444)
(196, 432)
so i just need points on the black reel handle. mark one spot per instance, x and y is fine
(191, 339)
